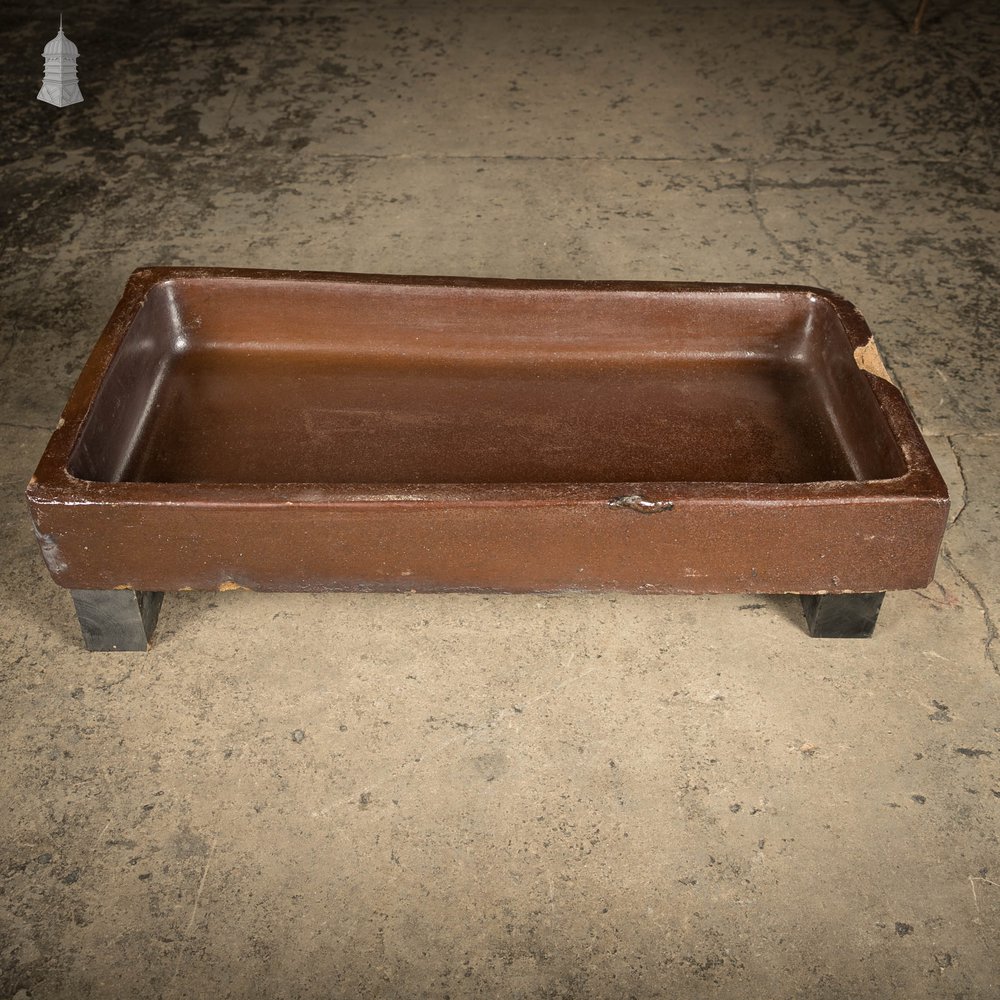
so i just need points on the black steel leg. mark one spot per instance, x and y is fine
(841, 616)
(117, 619)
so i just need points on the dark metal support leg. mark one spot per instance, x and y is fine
(841, 616)
(117, 620)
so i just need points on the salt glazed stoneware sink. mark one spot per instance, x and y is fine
(299, 431)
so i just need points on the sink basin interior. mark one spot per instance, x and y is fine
(227, 380)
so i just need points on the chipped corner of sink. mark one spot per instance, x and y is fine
(868, 359)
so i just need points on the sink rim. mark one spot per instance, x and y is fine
(53, 481)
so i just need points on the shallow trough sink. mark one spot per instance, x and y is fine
(299, 431)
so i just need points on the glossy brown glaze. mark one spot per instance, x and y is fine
(302, 431)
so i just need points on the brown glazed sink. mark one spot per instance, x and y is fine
(307, 431)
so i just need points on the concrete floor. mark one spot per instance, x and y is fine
(585, 796)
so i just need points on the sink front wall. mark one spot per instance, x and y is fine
(726, 545)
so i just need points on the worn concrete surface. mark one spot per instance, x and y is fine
(508, 796)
